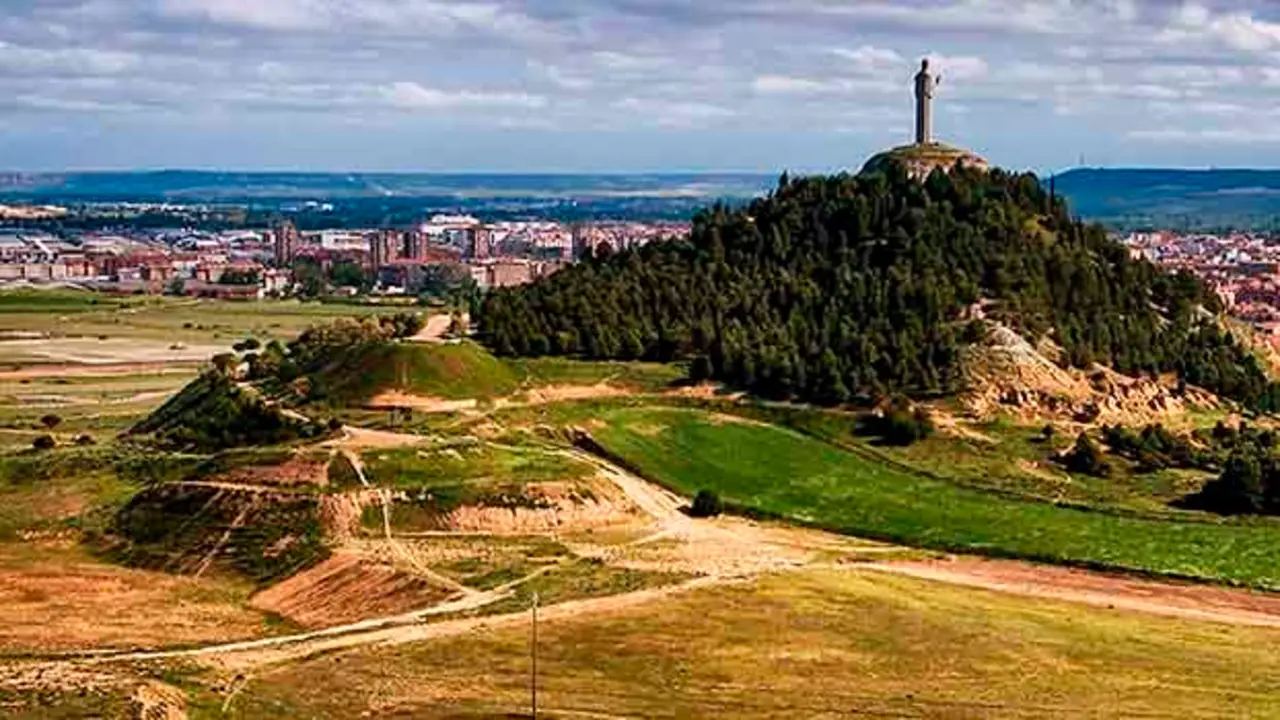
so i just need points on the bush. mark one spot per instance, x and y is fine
(85, 440)
(706, 504)
(1086, 457)
(898, 424)
(904, 428)
(51, 421)
(44, 442)
(1241, 489)
(700, 369)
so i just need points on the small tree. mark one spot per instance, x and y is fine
(904, 428)
(706, 504)
(176, 287)
(44, 442)
(50, 421)
(1086, 457)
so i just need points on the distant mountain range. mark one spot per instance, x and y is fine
(1121, 198)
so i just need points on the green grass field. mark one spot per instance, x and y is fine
(466, 463)
(637, 376)
(814, 644)
(782, 472)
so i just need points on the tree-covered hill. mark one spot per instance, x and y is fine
(835, 287)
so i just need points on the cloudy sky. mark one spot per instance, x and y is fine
(630, 85)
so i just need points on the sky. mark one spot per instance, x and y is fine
(631, 85)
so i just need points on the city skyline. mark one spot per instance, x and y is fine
(627, 86)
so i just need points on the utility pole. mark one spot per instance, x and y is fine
(533, 655)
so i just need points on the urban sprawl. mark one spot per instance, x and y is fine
(271, 262)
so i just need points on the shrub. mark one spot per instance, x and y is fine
(1241, 489)
(706, 504)
(1085, 457)
(85, 440)
(44, 442)
(51, 421)
(904, 428)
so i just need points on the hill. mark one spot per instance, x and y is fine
(832, 288)
(213, 412)
(1189, 199)
(457, 371)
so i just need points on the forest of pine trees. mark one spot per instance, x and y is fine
(835, 288)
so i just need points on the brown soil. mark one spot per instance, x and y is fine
(54, 601)
(347, 588)
(153, 700)
(297, 471)
(1183, 600)
(564, 393)
(434, 330)
(422, 403)
(354, 438)
(565, 511)
(341, 514)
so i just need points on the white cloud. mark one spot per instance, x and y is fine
(959, 67)
(869, 59)
(559, 77)
(628, 62)
(63, 62)
(412, 96)
(1221, 136)
(265, 14)
(674, 113)
(785, 85)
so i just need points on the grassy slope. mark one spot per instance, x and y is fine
(460, 371)
(467, 463)
(783, 472)
(639, 376)
(796, 645)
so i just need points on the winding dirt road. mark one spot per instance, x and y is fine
(728, 550)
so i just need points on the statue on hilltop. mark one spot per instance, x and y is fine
(926, 85)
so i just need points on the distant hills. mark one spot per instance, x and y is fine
(1121, 198)
(1177, 199)
(207, 186)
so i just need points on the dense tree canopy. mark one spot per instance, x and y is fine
(835, 287)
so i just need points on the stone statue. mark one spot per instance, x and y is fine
(926, 84)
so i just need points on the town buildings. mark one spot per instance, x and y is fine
(395, 260)
(1242, 268)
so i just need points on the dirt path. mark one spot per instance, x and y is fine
(435, 329)
(384, 496)
(355, 438)
(384, 631)
(1170, 599)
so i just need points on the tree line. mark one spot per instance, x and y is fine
(836, 288)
